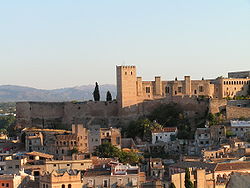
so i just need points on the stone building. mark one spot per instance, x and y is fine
(68, 179)
(98, 136)
(57, 142)
(113, 175)
(132, 90)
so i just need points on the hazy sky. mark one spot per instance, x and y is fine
(61, 43)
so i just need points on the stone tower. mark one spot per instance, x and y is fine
(126, 85)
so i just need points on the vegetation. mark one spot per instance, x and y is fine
(9, 107)
(172, 185)
(7, 123)
(229, 133)
(167, 115)
(170, 115)
(74, 150)
(108, 96)
(141, 128)
(215, 119)
(107, 150)
(96, 93)
(188, 183)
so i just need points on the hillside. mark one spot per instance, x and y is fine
(13, 93)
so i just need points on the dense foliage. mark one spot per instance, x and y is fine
(6, 123)
(107, 150)
(141, 128)
(96, 93)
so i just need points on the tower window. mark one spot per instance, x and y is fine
(125, 73)
(179, 89)
(167, 90)
(201, 89)
(147, 89)
(131, 73)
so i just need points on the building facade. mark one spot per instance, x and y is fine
(132, 90)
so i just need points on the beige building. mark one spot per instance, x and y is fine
(68, 179)
(57, 142)
(113, 175)
(132, 90)
(98, 136)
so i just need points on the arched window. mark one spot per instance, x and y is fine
(69, 186)
(63, 186)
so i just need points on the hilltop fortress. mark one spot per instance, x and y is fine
(138, 98)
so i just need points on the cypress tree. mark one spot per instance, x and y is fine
(96, 93)
(108, 96)
(188, 183)
(172, 185)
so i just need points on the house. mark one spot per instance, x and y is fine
(165, 135)
(98, 136)
(113, 175)
(240, 128)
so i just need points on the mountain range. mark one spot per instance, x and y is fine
(14, 93)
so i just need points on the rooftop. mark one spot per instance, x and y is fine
(236, 123)
(166, 129)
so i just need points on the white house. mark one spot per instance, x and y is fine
(164, 135)
(239, 128)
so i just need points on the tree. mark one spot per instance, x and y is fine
(141, 128)
(188, 183)
(96, 93)
(107, 150)
(108, 96)
(172, 185)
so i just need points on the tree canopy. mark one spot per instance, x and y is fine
(107, 150)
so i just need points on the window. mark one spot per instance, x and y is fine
(195, 91)
(131, 73)
(201, 89)
(147, 89)
(167, 90)
(43, 185)
(82, 164)
(47, 186)
(62, 151)
(17, 166)
(68, 164)
(105, 183)
(125, 73)
(54, 165)
(179, 89)
(63, 186)
(69, 186)
(118, 140)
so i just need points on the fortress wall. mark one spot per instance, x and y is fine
(216, 105)
(83, 110)
(23, 114)
(234, 112)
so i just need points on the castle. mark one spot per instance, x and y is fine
(137, 98)
(132, 90)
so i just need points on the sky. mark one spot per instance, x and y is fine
(64, 43)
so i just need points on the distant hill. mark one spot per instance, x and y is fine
(13, 93)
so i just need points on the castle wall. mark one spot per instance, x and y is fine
(233, 112)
